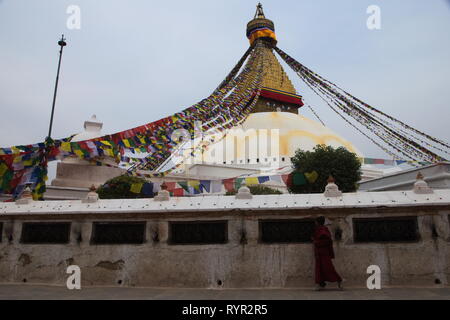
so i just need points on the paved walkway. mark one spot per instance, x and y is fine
(28, 291)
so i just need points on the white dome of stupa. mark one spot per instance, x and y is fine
(297, 131)
(268, 137)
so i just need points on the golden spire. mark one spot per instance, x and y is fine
(277, 93)
(259, 12)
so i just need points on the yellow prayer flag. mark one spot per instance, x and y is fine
(17, 159)
(108, 152)
(3, 169)
(194, 183)
(136, 187)
(311, 176)
(15, 150)
(250, 181)
(28, 163)
(35, 194)
(126, 143)
(66, 146)
(79, 153)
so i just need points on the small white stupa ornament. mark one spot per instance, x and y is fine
(331, 189)
(92, 196)
(163, 194)
(244, 192)
(420, 186)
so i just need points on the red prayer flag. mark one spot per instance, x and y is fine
(178, 192)
(287, 179)
(170, 186)
(229, 184)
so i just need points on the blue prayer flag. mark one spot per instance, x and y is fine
(263, 179)
(205, 185)
(147, 189)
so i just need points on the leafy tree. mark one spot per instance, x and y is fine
(256, 190)
(119, 188)
(339, 163)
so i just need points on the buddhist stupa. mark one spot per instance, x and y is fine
(278, 111)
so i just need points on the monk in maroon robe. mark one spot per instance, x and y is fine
(323, 252)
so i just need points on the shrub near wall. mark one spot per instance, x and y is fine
(120, 188)
(343, 165)
(256, 190)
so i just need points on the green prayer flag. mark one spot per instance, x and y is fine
(299, 179)
(238, 183)
(184, 185)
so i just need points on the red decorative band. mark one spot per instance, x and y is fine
(282, 97)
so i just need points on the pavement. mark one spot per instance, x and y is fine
(46, 292)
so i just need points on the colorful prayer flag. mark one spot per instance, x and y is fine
(263, 179)
(3, 169)
(228, 184)
(298, 179)
(136, 187)
(312, 176)
(184, 185)
(147, 189)
(251, 181)
(205, 185)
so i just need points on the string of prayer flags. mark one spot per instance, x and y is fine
(228, 106)
(397, 136)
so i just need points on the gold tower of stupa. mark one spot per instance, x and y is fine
(278, 92)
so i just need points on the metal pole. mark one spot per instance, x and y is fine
(62, 44)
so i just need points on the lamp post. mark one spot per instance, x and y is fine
(62, 43)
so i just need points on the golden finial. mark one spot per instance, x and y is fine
(259, 11)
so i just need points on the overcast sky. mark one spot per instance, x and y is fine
(134, 61)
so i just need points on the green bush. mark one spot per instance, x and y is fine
(256, 190)
(339, 163)
(119, 188)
